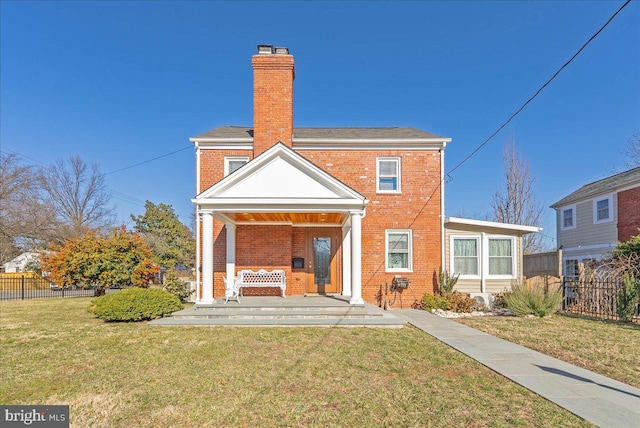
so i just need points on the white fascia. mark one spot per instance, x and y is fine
(224, 143)
(493, 224)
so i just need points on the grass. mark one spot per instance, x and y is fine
(609, 348)
(136, 375)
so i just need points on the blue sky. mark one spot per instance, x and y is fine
(123, 82)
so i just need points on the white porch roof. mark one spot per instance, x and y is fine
(279, 181)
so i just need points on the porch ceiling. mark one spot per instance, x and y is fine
(287, 217)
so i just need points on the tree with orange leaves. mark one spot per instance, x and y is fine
(91, 260)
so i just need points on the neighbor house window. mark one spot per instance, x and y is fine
(232, 164)
(501, 256)
(388, 172)
(399, 251)
(571, 268)
(568, 220)
(602, 209)
(465, 256)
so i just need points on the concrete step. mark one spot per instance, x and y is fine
(277, 313)
(382, 322)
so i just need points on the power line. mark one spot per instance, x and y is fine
(115, 194)
(477, 149)
(149, 160)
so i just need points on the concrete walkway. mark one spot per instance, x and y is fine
(595, 398)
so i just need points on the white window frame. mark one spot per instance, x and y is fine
(229, 159)
(514, 259)
(571, 208)
(564, 267)
(398, 162)
(609, 199)
(478, 255)
(409, 234)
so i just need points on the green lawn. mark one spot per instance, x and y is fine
(609, 348)
(135, 375)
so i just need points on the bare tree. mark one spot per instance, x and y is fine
(631, 153)
(516, 202)
(78, 194)
(26, 221)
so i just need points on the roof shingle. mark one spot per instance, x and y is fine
(393, 133)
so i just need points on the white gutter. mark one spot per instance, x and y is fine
(442, 211)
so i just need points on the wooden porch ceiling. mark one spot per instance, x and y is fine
(295, 218)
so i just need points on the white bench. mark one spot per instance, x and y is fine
(262, 278)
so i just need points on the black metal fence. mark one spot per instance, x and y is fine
(24, 287)
(594, 298)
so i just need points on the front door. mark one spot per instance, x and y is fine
(322, 252)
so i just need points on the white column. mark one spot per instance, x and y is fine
(356, 259)
(346, 260)
(231, 251)
(198, 258)
(207, 259)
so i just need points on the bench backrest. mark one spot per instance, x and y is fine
(261, 277)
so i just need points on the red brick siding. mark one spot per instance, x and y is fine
(416, 208)
(628, 213)
(212, 165)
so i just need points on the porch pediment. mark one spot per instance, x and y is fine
(280, 179)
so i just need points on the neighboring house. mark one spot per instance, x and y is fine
(20, 263)
(486, 255)
(352, 207)
(593, 219)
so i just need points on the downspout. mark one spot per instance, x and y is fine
(442, 211)
(198, 242)
(481, 249)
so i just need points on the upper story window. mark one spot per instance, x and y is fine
(501, 253)
(232, 164)
(602, 209)
(465, 256)
(388, 173)
(568, 220)
(399, 250)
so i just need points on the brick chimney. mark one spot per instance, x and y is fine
(273, 74)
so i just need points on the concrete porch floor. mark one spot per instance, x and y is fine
(292, 311)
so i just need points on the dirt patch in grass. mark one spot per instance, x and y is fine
(126, 375)
(609, 348)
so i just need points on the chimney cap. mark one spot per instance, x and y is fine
(265, 49)
(284, 51)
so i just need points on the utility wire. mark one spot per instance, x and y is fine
(149, 160)
(539, 90)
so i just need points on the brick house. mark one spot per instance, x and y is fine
(593, 219)
(340, 210)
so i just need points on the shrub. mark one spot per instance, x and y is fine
(135, 304)
(176, 286)
(461, 302)
(499, 300)
(446, 281)
(435, 301)
(628, 298)
(533, 300)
